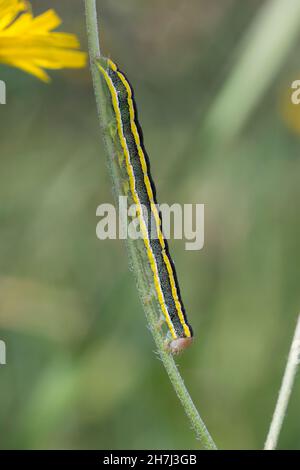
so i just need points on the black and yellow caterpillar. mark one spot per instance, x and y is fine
(143, 194)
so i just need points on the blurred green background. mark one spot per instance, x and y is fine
(212, 82)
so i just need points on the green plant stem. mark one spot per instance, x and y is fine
(138, 263)
(285, 390)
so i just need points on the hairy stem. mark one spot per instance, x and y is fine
(138, 261)
(285, 390)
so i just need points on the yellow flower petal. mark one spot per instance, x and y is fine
(46, 22)
(32, 69)
(28, 24)
(28, 42)
(20, 26)
(9, 10)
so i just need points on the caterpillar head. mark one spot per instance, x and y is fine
(179, 344)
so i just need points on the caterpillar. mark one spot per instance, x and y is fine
(142, 190)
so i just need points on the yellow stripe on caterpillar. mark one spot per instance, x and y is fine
(140, 184)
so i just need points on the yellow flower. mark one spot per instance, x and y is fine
(30, 44)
